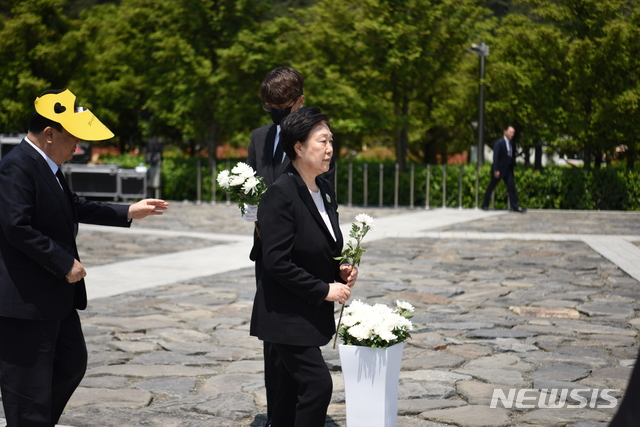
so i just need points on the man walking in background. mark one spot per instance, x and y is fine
(43, 355)
(504, 160)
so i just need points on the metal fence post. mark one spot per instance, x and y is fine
(229, 169)
(444, 186)
(460, 186)
(381, 177)
(396, 186)
(477, 182)
(214, 183)
(199, 182)
(365, 172)
(411, 186)
(350, 186)
(426, 203)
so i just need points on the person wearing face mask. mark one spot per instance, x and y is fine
(281, 92)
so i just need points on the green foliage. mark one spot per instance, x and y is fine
(394, 74)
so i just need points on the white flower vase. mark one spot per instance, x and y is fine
(371, 378)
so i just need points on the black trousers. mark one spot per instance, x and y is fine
(41, 364)
(628, 414)
(304, 387)
(271, 369)
(511, 189)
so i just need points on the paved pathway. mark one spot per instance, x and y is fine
(542, 300)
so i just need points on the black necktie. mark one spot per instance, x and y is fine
(277, 156)
(63, 184)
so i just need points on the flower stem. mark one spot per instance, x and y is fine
(338, 328)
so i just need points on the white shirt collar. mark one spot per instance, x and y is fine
(51, 163)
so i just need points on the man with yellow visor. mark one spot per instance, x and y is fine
(43, 355)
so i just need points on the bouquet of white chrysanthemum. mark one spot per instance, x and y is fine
(242, 186)
(376, 326)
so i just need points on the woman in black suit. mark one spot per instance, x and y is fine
(293, 308)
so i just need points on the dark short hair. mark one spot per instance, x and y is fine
(297, 126)
(281, 85)
(38, 123)
(507, 127)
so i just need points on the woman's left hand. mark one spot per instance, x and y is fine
(349, 274)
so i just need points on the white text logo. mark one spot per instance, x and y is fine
(528, 398)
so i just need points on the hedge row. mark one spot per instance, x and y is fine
(554, 187)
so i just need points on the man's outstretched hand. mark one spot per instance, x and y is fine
(146, 207)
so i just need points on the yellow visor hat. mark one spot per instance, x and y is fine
(79, 122)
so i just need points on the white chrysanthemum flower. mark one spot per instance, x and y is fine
(384, 333)
(236, 180)
(366, 220)
(250, 184)
(244, 170)
(349, 321)
(360, 332)
(403, 305)
(223, 179)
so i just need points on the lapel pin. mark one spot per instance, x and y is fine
(328, 198)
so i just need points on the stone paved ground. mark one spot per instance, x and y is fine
(490, 314)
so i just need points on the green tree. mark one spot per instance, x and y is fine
(386, 59)
(526, 78)
(162, 58)
(575, 42)
(38, 52)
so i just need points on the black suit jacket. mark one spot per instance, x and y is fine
(260, 156)
(298, 264)
(38, 226)
(501, 160)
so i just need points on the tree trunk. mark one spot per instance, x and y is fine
(587, 156)
(631, 155)
(527, 159)
(597, 159)
(537, 162)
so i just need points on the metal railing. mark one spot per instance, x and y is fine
(407, 189)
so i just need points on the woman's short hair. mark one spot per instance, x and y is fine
(297, 126)
(281, 85)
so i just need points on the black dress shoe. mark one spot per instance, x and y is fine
(519, 209)
(484, 208)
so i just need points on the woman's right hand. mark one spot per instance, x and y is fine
(338, 292)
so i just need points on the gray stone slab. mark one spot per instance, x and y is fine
(416, 406)
(434, 359)
(500, 361)
(146, 371)
(432, 375)
(218, 384)
(460, 325)
(561, 372)
(104, 382)
(173, 386)
(470, 416)
(561, 417)
(233, 406)
(499, 333)
(172, 358)
(422, 390)
(507, 377)
(128, 398)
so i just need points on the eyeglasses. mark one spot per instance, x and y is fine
(269, 109)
